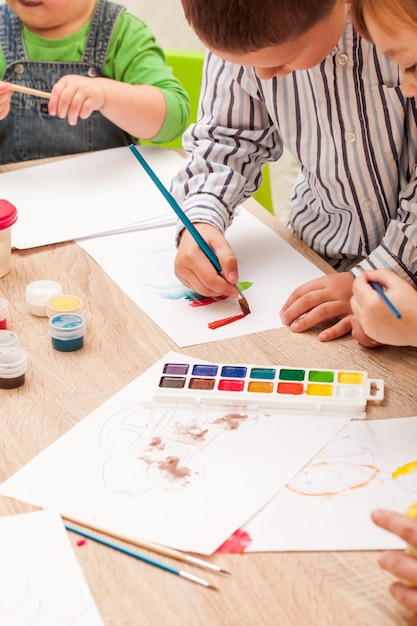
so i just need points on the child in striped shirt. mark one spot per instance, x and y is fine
(392, 26)
(297, 73)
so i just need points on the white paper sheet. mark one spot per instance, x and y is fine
(40, 579)
(90, 194)
(142, 264)
(177, 475)
(370, 464)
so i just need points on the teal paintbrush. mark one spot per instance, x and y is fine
(202, 243)
(141, 557)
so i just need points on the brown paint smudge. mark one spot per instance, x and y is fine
(232, 421)
(171, 467)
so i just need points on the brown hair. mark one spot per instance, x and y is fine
(242, 26)
(388, 15)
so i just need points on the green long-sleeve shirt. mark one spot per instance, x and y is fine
(133, 57)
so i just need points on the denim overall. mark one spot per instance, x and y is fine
(29, 132)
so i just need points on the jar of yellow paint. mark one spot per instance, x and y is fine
(66, 303)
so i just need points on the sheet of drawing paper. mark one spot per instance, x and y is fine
(370, 464)
(179, 475)
(142, 264)
(40, 579)
(88, 194)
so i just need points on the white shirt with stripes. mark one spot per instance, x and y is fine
(354, 136)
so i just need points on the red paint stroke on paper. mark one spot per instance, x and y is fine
(236, 543)
(225, 320)
(206, 301)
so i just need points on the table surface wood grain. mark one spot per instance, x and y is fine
(285, 589)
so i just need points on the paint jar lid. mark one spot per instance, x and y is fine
(8, 214)
(66, 326)
(4, 308)
(40, 292)
(8, 339)
(13, 362)
(66, 303)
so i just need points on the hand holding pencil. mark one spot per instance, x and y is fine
(374, 321)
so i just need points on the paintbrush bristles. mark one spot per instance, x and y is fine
(244, 305)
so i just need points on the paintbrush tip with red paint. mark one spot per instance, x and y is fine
(243, 303)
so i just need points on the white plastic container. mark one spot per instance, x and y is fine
(8, 339)
(38, 295)
(13, 365)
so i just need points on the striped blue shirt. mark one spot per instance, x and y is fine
(354, 136)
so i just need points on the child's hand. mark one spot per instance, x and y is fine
(76, 97)
(5, 96)
(321, 299)
(194, 270)
(400, 564)
(373, 322)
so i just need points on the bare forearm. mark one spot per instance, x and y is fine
(140, 110)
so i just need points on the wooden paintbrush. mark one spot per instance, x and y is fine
(153, 547)
(30, 91)
(142, 557)
(189, 226)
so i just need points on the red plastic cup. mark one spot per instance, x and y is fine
(8, 216)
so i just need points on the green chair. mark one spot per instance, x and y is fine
(187, 66)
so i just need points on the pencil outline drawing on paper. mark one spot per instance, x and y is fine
(21, 604)
(353, 473)
(150, 446)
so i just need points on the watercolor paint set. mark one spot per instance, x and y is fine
(279, 387)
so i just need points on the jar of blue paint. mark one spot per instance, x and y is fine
(67, 331)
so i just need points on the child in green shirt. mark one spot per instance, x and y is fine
(108, 79)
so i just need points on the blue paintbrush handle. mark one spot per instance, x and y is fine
(385, 298)
(120, 548)
(140, 557)
(180, 213)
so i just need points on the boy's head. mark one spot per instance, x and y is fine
(388, 15)
(248, 25)
(392, 26)
(275, 37)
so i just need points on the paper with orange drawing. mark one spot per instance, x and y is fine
(142, 264)
(183, 476)
(327, 506)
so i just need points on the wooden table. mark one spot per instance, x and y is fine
(283, 589)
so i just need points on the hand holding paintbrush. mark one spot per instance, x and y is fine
(376, 320)
(198, 238)
(29, 91)
(6, 91)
